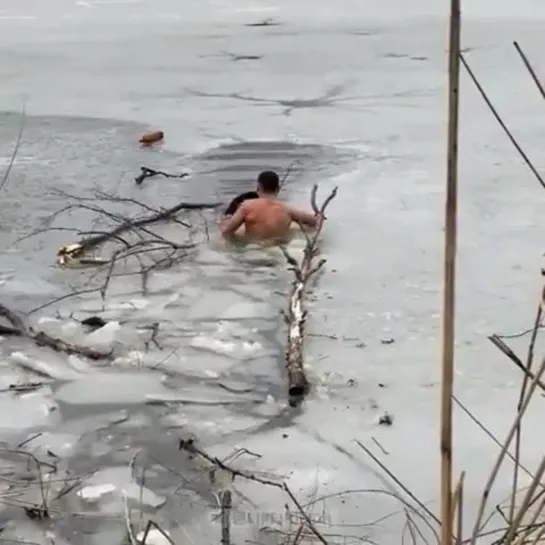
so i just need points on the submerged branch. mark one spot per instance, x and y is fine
(40, 338)
(146, 172)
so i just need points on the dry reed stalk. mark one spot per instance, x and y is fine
(492, 436)
(495, 113)
(458, 508)
(516, 524)
(532, 524)
(449, 287)
(538, 536)
(502, 347)
(529, 68)
(524, 385)
(507, 443)
(6, 174)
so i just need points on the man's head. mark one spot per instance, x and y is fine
(268, 183)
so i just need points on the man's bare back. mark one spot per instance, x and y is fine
(266, 218)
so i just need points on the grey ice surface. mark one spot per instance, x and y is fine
(356, 92)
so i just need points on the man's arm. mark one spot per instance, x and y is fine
(230, 225)
(305, 218)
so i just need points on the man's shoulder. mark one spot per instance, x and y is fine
(255, 204)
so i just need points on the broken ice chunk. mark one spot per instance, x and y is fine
(114, 486)
(104, 337)
(96, 492)
(247, 310)
(111, 387)
(214, 345)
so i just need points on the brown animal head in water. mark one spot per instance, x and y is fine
(149, 138)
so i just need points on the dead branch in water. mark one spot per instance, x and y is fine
(188, 445)
(146, 172)
(77, 250)
(129, 239)
(41, 338)
(35, 485)
(296, 314)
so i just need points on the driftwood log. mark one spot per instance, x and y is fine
(296, 314)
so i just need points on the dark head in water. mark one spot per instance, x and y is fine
(268, 183)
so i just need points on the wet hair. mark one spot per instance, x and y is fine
(268, 181)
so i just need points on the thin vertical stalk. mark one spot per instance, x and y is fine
(226, 506)
(449, 287)
(458, 508)
(530, 69)
(495, 113)
(522, 394)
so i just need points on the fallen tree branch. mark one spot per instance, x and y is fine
(103, 196)
(43, 339)
(5, 330)
(146, 172)
(77, 250)
(188, 445)
(296, 314)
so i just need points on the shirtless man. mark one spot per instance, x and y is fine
(263, 216)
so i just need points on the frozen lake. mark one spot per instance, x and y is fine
(355, 94)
